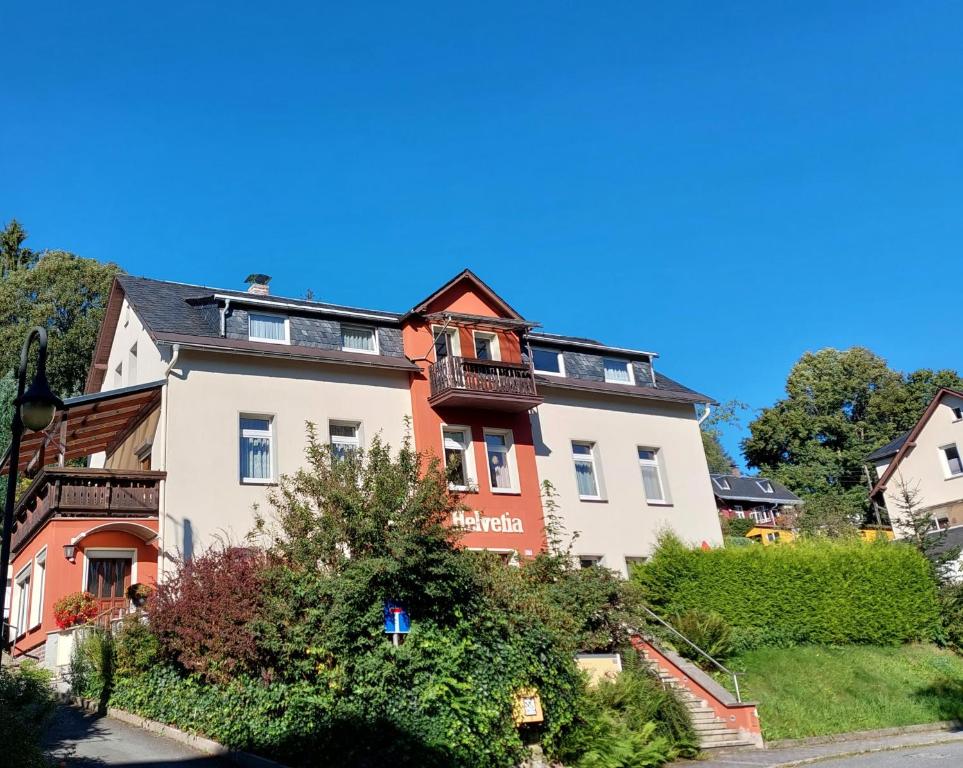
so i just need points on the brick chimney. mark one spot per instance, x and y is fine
(258, 284)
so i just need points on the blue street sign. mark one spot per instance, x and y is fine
(396, 619)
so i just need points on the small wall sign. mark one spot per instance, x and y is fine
(528, 707)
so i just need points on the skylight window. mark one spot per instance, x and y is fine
(722, 483)
(765, 485)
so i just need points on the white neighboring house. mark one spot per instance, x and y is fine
(928, 462)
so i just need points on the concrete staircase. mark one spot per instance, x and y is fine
(718, 718)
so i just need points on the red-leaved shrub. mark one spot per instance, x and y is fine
(203, 613)
(75, 608)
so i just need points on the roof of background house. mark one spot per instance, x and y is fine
(744, 488)
(890, 449)
(188, 314)
(953, 539)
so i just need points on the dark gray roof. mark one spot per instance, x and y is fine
(953, 539)
(179, 308)
(744, 488)
(664, 388)
(890, 449)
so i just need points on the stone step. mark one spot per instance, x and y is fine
(735, 742)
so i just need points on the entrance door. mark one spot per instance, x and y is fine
(108, 579)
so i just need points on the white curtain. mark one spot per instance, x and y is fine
(651, 482)
(616, 370)
(267, 327)
(585, 476)
(358, 338)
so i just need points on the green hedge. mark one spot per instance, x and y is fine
(808, 592)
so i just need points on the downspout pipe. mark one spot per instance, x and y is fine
(162, 522)
(224, 310)
(706, 413)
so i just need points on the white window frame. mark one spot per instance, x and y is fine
(597, 560)
(763, 515)
(628, 367)
(356, 443)
(739, 511)
(765, 486)
(471, 475)
(511, 463)
(39, 583)
(591, 457)
(947, 472)
(722, 483)
(665, 501)
(20, 610)
(561, 362)
(454, 345)
(374, 338)
(494, 344)
(512, 553)
(270, 433)
(110, 553)
(274, 315)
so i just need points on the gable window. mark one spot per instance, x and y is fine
(958, 413)
(273, 328)
(446, 343)
(345, 438)
(651, 476)
(548, 361)
(257, 462)
(722, 483)
(498, 446)
(951, 458)
(583, 454)
(618, 371)
(486, 346)
(119, 376)
(458, 461)
(132, 365)
(764, 485)
(359, 339)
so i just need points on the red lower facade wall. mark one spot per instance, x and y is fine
(62, 577)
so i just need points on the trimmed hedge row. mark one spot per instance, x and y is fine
(808, 592)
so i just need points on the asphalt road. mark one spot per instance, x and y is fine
(80, 740)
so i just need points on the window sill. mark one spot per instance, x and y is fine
(659, 503)
(463, 488)
(507, 491)
(593, 499)
(246, 481)
(953, 477)
(362, 351)
(550, 373)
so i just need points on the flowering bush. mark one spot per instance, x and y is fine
(75, 608)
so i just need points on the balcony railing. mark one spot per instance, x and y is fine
(463, 382)
(79, 492)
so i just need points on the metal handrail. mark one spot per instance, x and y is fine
(725, 670)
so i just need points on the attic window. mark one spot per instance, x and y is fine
(264, 327)
(618, 371)
(765, 485)
(958, 413)
(722, 483)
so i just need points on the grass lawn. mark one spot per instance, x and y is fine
(818, 690)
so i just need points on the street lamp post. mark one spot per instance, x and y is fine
(34, 409)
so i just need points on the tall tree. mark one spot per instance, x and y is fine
(717, 457)
(13, 254)
(839, 406)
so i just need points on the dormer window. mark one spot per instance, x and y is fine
(548, 361)
(765, 485)
(359, 339)
(722, 483)
(618, 371)
(272, 328)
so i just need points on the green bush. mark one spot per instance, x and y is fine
(92, 665)
(26, 704)
(706, 629)
(820, 591)
(136, 647)
(630, 722)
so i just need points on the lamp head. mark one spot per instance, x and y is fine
(38, 404)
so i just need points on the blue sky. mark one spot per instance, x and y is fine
(729, 184)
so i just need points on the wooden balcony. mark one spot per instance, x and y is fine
(80, 492)
(458, 382)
